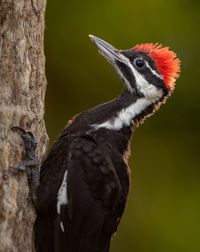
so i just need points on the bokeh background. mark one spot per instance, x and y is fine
(163, 212)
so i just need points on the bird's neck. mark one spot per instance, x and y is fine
(112, 123)
(125, 111)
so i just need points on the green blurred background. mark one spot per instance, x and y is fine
(163, 212)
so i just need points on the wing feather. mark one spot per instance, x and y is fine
(93, 198)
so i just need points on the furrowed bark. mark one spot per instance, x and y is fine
(22, 91)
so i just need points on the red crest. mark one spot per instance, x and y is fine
(165, 60)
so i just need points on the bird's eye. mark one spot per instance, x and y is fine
(139, 63)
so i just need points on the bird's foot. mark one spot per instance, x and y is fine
(29, 163)
(30, 145)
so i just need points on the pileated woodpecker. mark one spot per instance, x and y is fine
(84, 180)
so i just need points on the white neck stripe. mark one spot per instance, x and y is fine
(126, 116)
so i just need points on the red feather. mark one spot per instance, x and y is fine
(165, 60)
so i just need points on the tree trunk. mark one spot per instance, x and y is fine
(22, 91)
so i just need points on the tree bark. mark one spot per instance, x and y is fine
(22, 91)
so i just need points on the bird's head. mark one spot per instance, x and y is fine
(148, 70)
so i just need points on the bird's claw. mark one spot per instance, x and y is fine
(30, 145)
(29, 162)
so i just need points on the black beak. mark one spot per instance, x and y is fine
(108, 51)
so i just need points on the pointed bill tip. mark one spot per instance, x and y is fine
(91, 36)
(94, 39)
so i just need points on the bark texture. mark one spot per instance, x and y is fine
(22, 91)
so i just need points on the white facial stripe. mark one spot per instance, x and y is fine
(62, 194)
(153, 71)
(125, 116)
(147, 89)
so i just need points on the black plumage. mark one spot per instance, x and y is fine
(97, 188)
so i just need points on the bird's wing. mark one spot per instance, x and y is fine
(93, 209)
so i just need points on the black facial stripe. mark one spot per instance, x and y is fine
(152, 78)
(127, 73)
(150, 62)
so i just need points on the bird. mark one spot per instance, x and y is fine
(85, 178)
